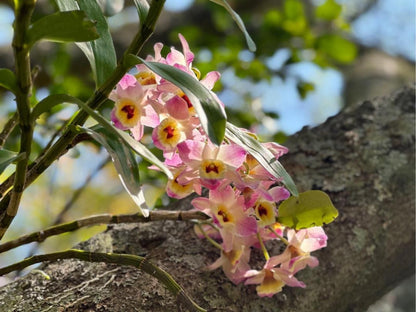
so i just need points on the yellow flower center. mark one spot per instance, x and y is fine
(168, 133)
(270, 285)
(212, 169)
(181, 190)
(223, 215)
(127, 112)
(146, 78)
(265, 213)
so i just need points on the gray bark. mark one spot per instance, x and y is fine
(363, 158)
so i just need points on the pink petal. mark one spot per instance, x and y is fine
(232, 154)
(177, 108)
(210, 79)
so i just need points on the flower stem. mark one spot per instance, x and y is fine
(263, 248)
(284, 240)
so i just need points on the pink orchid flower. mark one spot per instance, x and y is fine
(271, 279)
(211, 164)
(131, 110)
(228, 211)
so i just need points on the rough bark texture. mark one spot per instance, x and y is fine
(363, 158)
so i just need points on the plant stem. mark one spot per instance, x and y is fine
(94, 102)
(263, 248)
(121, 259)
(157, 215)
(23, 13)
(284, 240)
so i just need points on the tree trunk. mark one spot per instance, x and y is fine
(363, 158)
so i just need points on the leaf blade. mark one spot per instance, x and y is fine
(68, 26)
(250, 43)
(262, 155)
(310, 208)
(8, 80)
(124, 162)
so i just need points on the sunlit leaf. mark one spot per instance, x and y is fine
(250, 43)
(311, 208)
(338, 48)
(124, 161)
(329, 10)
(8, 80)
(7, 158)
(69, 26)
(210, 112)
(262, 155)
(100, 53)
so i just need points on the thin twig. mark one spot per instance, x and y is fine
(8, 128)
(157, 215)
(131, 260)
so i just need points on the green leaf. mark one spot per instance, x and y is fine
(142, 9)
(49, 102)
(7, 158)
(250, 43)
(8, 80)
(66, 26)
(100, 53)
(311, 208)
(329, 10)
(338, 48)
(124, 161)
(210, 112)
(262, 155)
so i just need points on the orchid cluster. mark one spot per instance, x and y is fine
(242, 195)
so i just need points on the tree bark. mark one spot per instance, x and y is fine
(363, 158)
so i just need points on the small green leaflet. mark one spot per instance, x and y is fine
(250, 43)
(69, 26)
(311, 208)
(100, 53)
(8, 80)
(124, 161)
(210, 112)
(262, 155)
(7, 158)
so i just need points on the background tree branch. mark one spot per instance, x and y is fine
(363, 158)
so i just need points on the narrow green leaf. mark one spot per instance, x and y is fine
(262, 155)
(311, 208)
(7, 158)
(124, 161)
(250, 43)
(210, 112)
(49, 102)
(66, 26)
(102, 48)
(8, 80)
(100, 53)
(142, 9)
